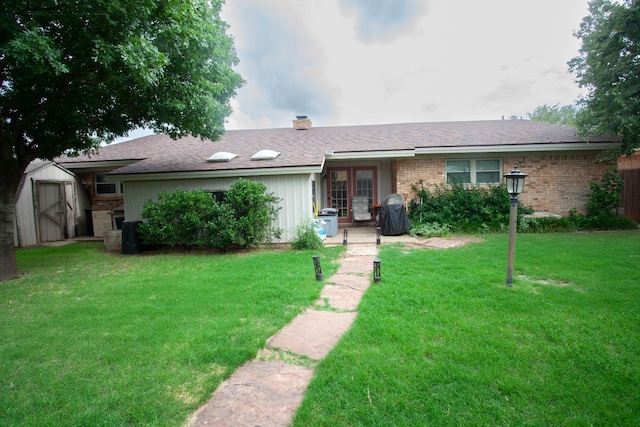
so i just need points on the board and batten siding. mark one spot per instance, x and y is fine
(25, 224)
(293, 190)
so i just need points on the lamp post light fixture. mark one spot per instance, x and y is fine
(515, 185)
(376, 270)
(318, 268)
(344, 237)
(378, 233)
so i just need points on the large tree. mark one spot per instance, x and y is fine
(77, 73)
(555, 114)
(608, 66)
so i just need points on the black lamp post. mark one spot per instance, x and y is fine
(376, 270)
(378, 233)
(515, 185)
(344, 237)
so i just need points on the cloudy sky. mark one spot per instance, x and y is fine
(350, 62)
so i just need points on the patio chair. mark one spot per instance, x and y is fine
(360, 209)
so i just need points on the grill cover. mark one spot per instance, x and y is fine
(393, 216)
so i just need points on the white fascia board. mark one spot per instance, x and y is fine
(230, 173)
(356, 155)
(98, 164)
(580, 146)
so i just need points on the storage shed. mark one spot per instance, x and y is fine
(50, 205)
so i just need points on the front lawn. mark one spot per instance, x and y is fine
(95, 339)
(442, 341)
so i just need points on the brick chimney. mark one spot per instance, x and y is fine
(302, 123)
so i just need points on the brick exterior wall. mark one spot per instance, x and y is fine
(556, 183)
(410, 172)
(98, 202)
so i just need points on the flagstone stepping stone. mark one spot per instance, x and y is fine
(313, 333)
(259, 393)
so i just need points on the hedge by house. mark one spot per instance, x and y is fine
(194, 218)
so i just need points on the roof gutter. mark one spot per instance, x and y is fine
(98, 164)
(230, 173)
(520, 148)
(358, 155)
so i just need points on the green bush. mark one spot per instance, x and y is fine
(196, 219)
(430, 229)
(463, 208)
(603, 221)
(545, 225)
(602, 208)
(253, 210)
(606, 196)
(306, 237)
(220, 230)
(177, 219)
(475, 209)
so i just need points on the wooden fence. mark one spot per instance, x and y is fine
(631, 193)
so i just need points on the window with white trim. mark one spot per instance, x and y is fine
(473, 171)
(105, 186)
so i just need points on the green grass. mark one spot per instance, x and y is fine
(442, 341)
(95, 339)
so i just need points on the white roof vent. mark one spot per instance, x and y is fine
(222, 156)
(265, 155)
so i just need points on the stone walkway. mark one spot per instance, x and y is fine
(267, 393)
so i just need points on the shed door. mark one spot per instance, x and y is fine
(50, 211)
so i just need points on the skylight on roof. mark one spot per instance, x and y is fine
(222, 156)
(265, 155)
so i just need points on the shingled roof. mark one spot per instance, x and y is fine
(308, 148)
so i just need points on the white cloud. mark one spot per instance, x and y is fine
(354, 62)
(382, 20)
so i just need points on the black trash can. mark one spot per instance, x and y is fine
(89, 215)
(130, 238)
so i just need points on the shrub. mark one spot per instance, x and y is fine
(464, 208)
(545, 225)
(253, 210)
(196, 219)
(220, 230)
(177, 219)
(430, 229)
(601, 222)
(602, 207)
(306, 237)
(606, 196)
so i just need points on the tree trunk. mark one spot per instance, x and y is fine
(8, 265)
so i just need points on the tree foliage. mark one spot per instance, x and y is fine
(77, 73)
(608, 66)
(564, 115)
